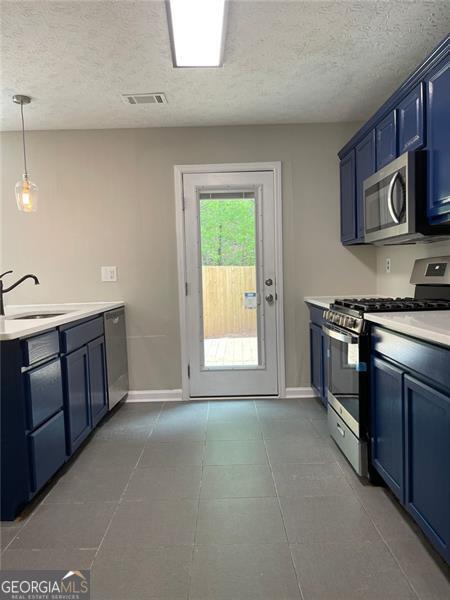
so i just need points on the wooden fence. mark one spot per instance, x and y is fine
(224, 313)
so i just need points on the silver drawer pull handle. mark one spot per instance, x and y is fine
(115, 320)
(341, 431)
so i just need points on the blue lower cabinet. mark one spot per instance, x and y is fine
(438, 142)
(410, 428)
(47, 450)
(316, 353)
(387, 424)
(97, 379)
(427, 454)
(325, 353)
(77, 399)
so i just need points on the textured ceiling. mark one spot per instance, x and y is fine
(285, 62)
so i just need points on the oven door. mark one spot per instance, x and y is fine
(343, 375)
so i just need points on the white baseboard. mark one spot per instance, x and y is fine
(154, 396)
(301, 392)
(176, 395)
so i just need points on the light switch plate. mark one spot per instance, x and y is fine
(109, 273)
(388, 265)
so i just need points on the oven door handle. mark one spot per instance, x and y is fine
(341, 337)
(394, 215)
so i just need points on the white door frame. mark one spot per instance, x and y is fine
(179, 171)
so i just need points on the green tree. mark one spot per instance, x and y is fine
(228, 232)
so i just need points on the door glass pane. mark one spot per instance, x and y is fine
(229, 282)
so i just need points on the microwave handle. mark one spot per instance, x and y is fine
(337, 335)
(395, 217)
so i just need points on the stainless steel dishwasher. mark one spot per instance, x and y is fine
(116, 355)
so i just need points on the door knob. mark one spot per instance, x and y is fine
(269, 298)
(268, 282)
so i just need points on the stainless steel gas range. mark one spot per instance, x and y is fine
(349, 354)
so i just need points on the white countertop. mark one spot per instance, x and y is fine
(11, 329)
(432, 326)
(326, 301)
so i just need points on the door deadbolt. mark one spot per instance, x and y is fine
(268, 282)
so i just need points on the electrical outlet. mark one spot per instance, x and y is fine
(109, 273)
(388, 265)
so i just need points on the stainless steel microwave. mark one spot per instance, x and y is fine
(395, 204)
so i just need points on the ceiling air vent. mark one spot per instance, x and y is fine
(144, 98)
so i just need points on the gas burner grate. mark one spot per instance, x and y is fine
(392, 304)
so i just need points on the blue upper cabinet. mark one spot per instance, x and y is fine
(438, 141)
(416, 116)
(411, 135)
(387, 139)
(365, 166)
(348, 208)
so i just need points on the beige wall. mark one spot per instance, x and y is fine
(396, 283)
(107, 198)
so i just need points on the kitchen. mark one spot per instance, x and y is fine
(227, 493)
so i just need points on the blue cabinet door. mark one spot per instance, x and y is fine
(97, 379)
(316, 358)
(411, 135)
(325, 351)
(438, 142)
(365, 166)
(347, 190)
(427, 497)
(77, 401)
(387, 424)
(386, 140)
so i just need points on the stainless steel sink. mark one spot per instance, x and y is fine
(36, 316)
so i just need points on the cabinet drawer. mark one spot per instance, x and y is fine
(47, 450)
(432, 362)
(44, 392)
(40, 347)
(78, 336)
(354, 449)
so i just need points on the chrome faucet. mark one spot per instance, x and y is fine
(4, 290)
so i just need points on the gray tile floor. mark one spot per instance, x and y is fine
(223, 501)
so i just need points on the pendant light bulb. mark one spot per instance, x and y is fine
(26, 195)
(26, 191)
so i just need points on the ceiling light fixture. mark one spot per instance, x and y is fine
(26, 190)
(197, 32)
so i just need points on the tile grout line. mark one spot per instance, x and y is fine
(383, 539)
(280, 509)
(191, 565)
(42, 502)
(120, 501)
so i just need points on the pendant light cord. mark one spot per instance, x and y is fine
(23, 142)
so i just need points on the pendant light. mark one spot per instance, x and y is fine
(26, 190)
